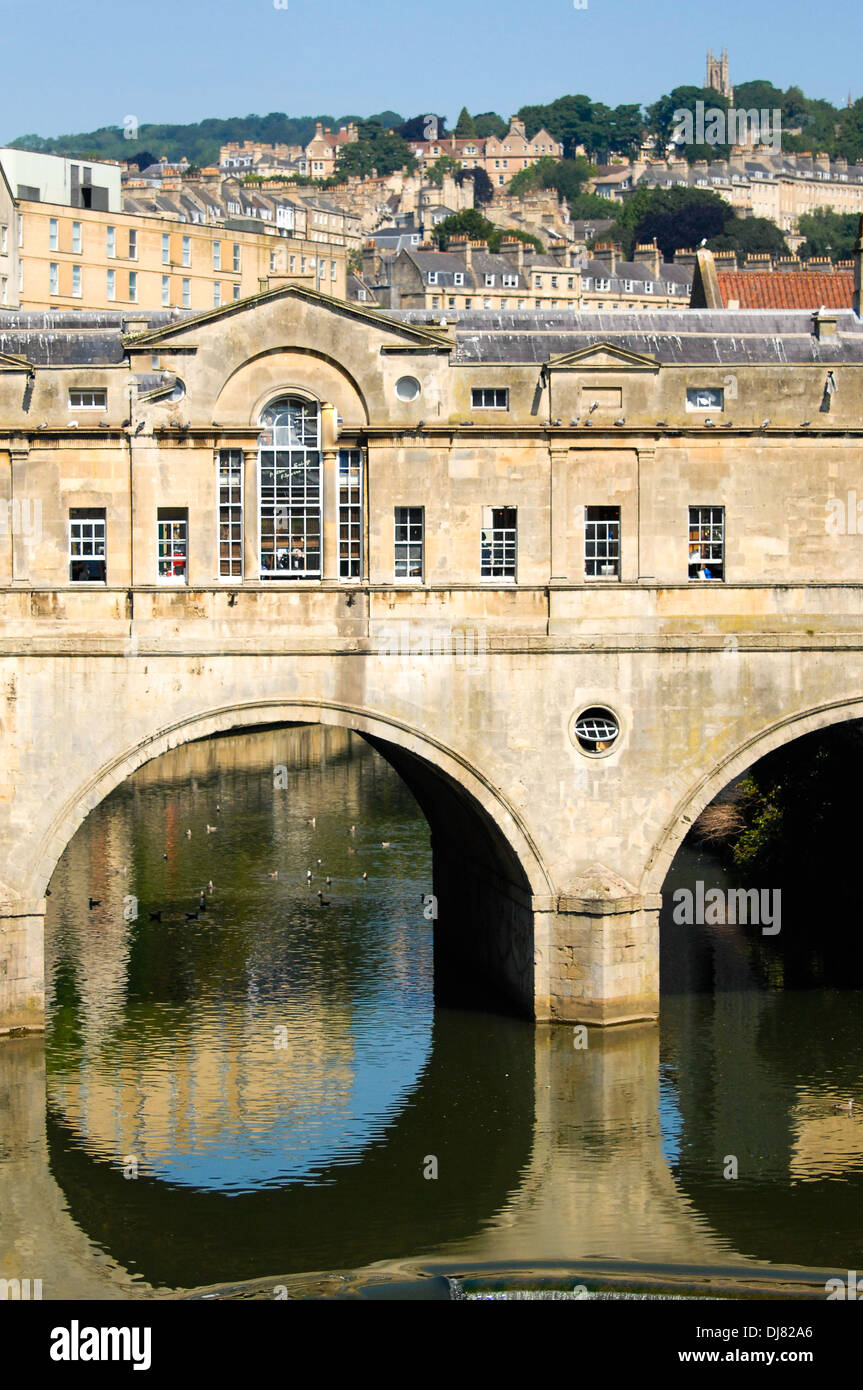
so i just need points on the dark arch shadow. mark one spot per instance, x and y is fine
(380, 1208)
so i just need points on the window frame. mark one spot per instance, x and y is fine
(408, 516)
(89, 552)
(606, 548)
(698, 542)
(498, 546)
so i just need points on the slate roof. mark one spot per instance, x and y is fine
(700, 336)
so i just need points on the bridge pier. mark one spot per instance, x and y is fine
(22, 969)
(591, 958)
(603, 965)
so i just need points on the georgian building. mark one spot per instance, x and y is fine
(296, 444)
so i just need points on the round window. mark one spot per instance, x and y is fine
(407, 388)
(596, 730)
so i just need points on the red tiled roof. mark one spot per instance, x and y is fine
(787, 289)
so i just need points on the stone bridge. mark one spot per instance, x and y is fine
(570, 573)
(548, 860)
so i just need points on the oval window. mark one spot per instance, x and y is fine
(407, 388)
(596, 729)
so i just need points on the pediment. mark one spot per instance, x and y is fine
(599, 356)
(395, 336)
(14, 362)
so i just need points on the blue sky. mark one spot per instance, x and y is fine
(75, 66)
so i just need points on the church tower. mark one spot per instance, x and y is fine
(717, 74)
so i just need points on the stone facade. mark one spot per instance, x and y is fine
(468, 658)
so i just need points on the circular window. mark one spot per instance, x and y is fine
(407, 388)
(596, 730)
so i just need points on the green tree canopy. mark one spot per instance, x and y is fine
(828, 233)
(376, 149)
(748, 235)
(473, 225)
(465, 125)
(489, 124)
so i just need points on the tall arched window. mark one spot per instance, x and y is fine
(289, 472)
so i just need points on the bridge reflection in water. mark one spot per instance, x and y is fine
(256, 1160)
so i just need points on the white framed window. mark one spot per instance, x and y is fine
(602, 542)
(537, 283)
(76, 282)
(350, 514)
(53, 278)
(87, 543)
(111, 240)
(489, 398)
(290, 490)
(4, 239)
(187, 293)
(554, 282)
(499, 542)
(172, 544)
(77, 239)
(237, 257)
(509, 282)
(230, 514)
(133, 287)
(166, 291)
(706, 543)
(4, 290)
(489, 281)
(236, 291)
(166, 248)
(332, 270)
(432, 277)
(84, 398)
(217, 255)
(133, 244)
(458, 277)
(187, 250)
(409, 542)
(53, 234)
(112, 284)
(217, 294)
(603, 284)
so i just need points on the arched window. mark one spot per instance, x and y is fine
(289, 472)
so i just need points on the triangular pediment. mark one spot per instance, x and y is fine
(194, 326)
(597, 356)
(14, 362)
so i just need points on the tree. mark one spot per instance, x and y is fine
(465, 125)
(483, 188)
(445, 164)
(565, 176)
(747, 235)
(469, 223)
(678, 218)
(490, 124)
(377, 149)
(664, 120)
(828, 233)
(758, 94)
(428, 127)
(475, 227)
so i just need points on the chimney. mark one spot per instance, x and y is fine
(650, 255)
(758, 260)
(684, 258)
(858, 263)
(724, 260)
(516, 127)
(513, 249)
(461, 246)
(607, 255)
(824, 324)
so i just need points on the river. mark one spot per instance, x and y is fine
(264, 1087)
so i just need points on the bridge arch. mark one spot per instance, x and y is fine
(488, 871)
(700, 794)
